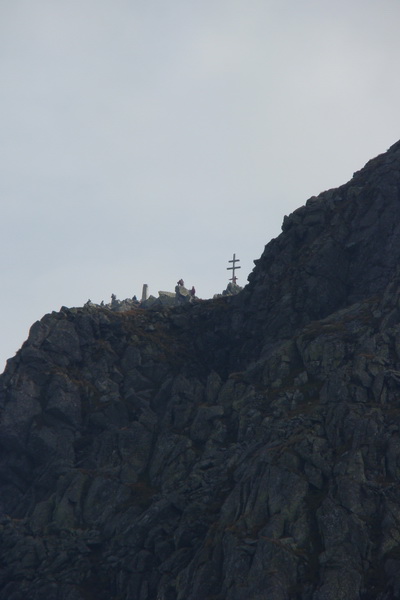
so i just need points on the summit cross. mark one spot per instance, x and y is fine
(233, 268)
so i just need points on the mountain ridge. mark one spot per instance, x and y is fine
(243, 447)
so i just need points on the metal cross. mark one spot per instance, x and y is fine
(233, 268)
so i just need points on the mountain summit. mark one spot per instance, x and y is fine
(242, 448)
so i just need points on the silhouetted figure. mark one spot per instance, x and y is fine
(193, 291)
(180, 282)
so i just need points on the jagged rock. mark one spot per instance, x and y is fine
(231, 290)
(242, 447)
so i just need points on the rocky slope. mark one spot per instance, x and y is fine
(243, 448)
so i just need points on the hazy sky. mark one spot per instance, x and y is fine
(142, 141)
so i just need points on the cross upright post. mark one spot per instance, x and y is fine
(233, 268)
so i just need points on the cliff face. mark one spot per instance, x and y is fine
(234, 449)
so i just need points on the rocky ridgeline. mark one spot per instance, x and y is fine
(245, 447)
(165, 299)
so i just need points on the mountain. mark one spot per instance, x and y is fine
(242, 448)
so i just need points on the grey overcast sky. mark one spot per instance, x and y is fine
(142, 141)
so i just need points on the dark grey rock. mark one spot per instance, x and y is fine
(242, 447)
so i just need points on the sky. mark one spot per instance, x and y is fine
(144, 141)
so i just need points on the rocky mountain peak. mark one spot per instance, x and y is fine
(339, 248)
(242, 447)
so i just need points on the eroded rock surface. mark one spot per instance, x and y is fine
(242, 448)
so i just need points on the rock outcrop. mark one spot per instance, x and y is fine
(241, 448)
(164, 299)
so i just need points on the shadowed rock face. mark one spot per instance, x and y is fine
(341, 247)
(240, 448)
